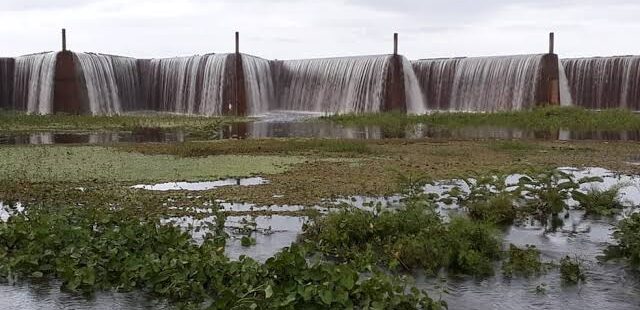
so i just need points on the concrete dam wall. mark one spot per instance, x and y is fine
(240, 84)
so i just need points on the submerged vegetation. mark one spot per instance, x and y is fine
(543, 118)
(600, 202)
(571, 271)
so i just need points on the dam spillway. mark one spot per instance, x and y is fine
(604, 82)
(240, 84)
(487, 84)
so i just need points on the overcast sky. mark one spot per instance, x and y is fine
(286, 29)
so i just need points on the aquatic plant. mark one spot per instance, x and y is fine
(571, 271)
(91, 249)
(522, 262)
(600, 202)
(627, 235)
(411, 237)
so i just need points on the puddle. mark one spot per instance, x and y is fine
(272, 233)
(202, 186)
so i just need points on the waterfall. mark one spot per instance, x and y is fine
(212, 101)
(332, 85)
(414, 101)
(100, 80)
(34, 82)
(7, 66)
(258, 81)
(189, 85)
(565, 91)
(486, 84)
(604, 82)
(436, 78)
(127, 76)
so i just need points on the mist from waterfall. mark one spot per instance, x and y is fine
(258, 82)
(332, 85)
(100, 81)
(34, 82)
(604, 82)
(487, 84)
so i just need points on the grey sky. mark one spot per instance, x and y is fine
(303, 28)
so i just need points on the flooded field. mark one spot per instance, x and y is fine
(243, 193)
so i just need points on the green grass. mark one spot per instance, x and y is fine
(250, 146)
(21, 122)
(544, 118)
(101, 164)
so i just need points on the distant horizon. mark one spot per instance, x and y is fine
(303, 29)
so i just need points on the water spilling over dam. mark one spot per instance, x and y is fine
(332, 85)
(604, 82)
(34, 82)
(240, 84)
(502, 83)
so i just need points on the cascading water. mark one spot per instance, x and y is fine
(99, 78)
(565, 91)
(34, 82)
(7, 66)
(332, 85)
(127, 76)
(414, 101)
(436, 77)
(189, 85)
(604, 82)
(212, 102)
(172, 83)
(485, 84)
(258, 81)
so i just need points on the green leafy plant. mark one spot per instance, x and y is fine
(571, 270)
(600, 202)
(627, 235)
(524, 262)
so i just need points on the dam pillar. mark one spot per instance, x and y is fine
(548, 88)
(7, 69)
(235, 96)
(394, 89)
(67, 94)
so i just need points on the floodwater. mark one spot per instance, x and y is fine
(305, 125)
(608, 285)
(201, 186)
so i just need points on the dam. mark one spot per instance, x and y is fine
(241, 84)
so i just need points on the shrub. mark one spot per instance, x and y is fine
(525, 262)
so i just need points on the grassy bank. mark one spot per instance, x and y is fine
(21, 122)
(547, 118)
